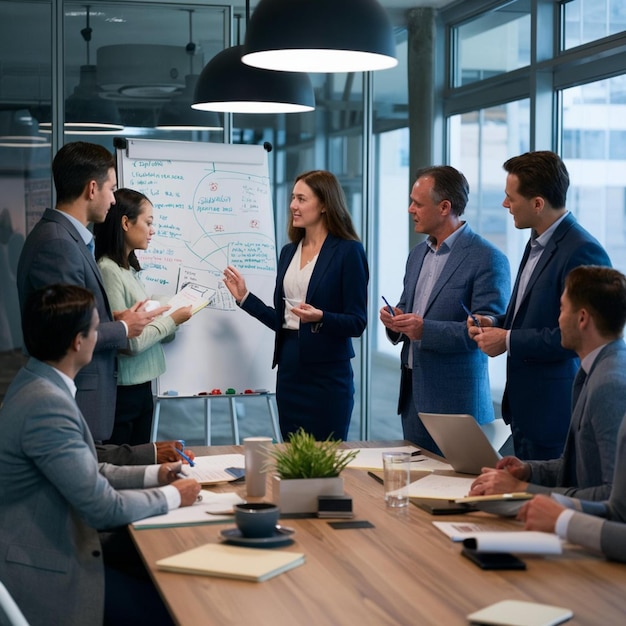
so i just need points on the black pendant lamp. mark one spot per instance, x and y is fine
(177, 114)
(228, 85)
(320, 36)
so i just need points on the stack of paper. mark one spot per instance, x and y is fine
(213, 507)
(218, 559)
(442, 487)
(210, 470)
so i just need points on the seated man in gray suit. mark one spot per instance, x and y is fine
(597, 526)
(593, 314)
(443, 371)
(53, 494)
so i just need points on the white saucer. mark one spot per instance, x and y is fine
(234, 536)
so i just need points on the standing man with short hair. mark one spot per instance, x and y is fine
(442, 371)
(540, 371)
(59, 249)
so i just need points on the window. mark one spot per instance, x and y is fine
(494, 43)
(589, 20)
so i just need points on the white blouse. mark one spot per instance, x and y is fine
(295, 286)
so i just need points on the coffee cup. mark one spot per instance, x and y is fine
(256, 519)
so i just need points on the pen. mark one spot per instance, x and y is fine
(378, 479)
(389, 307)
(474, 318)
(190, 461)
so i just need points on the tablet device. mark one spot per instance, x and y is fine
(443, 507)
(461, 441)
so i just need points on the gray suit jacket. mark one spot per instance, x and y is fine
(588, 526)
(53, 497)
(54, 252)
(585, 469)
(450, 374)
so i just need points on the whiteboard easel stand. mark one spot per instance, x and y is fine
(232, 409)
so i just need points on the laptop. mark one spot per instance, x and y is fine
(461, 441)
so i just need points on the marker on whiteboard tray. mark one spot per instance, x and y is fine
(261, 391)
(171, 392)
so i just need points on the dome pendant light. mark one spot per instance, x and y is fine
(228, 85)
(177, 114)
(320, 36)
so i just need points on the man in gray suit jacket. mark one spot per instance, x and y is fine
(597, 526)
(57, 250)
(53, 493)
(593, 314)
(442, 371)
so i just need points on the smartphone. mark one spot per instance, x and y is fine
(493, 560)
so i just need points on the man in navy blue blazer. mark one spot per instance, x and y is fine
(540, 372)
(442, 369)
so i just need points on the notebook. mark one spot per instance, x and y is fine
(520, 613)
(218, 559)
(461, 441)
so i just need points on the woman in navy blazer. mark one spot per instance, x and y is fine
(320, 302)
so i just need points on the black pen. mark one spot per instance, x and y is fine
(378, 479)
(474, 318)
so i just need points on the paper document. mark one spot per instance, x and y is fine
(438, 486)
(458, 531)
(210, 470)
(372, 458)
(191, 294)
(526, 541)
(203, 512)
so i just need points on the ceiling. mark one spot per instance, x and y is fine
(25, 58)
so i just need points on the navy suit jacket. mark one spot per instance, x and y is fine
(450, 374)
(54, 252)
(338, 287)
(540, 372)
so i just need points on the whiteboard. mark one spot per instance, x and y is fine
(212, 208)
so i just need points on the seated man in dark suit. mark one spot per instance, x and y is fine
(54, 496)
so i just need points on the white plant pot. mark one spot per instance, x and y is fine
(299, 495)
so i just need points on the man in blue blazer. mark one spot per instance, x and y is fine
(593, 314)
(54, 496)
(57, 251)
(540, 372)
(442, 371)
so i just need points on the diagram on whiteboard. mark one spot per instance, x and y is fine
(209, 214)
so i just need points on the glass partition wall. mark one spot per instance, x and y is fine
(128, 61)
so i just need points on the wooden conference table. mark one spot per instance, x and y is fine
(402, 571)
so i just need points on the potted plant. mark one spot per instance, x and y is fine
(305, 469)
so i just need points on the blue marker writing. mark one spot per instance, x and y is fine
(389, 307)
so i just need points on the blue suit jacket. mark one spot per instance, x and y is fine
(54, 252)
(53, 497)
(540, 372)
(450, 373)
(338, 287)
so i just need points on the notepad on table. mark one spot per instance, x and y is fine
(440, 486)
(218, 559)
(520, 613)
